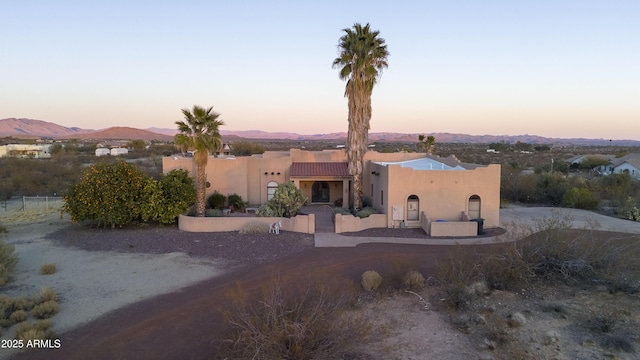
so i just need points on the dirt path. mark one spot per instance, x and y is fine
(184, 324)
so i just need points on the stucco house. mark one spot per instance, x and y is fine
(410, 188)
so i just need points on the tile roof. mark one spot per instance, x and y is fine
(319, 169)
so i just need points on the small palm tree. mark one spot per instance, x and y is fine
(362, 57)
(200, 131)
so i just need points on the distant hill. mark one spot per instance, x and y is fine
(38, 128)
(28, 127)
(120, 133)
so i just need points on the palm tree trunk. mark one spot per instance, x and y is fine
(201, 185)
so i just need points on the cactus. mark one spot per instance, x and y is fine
(286, 202)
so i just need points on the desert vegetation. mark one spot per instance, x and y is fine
(587, 278)
(301, 322)
(117, 194)
(286, 202)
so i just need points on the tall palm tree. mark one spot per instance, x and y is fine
(200, 131)
(362, 57)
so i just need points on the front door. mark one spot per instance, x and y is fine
(320, 192)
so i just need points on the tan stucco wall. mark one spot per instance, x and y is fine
(301, 223)
(443, 194)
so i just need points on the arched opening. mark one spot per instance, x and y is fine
(413, 208)
(271, 189)
(474, 207)
(320, 191)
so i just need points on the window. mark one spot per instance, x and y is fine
(271, 189)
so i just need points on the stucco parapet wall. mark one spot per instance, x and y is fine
(454, 228)
(350, 223)
(301, 223)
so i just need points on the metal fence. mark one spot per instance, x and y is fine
(41, 202)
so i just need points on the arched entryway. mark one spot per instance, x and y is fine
(474, 207)
(320, 192)
(413, 208)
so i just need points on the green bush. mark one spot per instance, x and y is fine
(366, 212)
(580, 198)
(236, 201)
(108, 194)
(265, 210)
(339, 210)
(217, 200)
(168, 197)
(213, 213)
(8, 261)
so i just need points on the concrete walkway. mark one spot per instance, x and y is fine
(510, 217)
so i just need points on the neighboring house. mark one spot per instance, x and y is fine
(604, 169)
(26, 151)
(629, 164)
(119, 151)
(408, 187)
(102, 152)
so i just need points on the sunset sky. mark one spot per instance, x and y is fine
(556, 68)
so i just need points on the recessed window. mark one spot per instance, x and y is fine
(271, 189)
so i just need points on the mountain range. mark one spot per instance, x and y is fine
(14, 127)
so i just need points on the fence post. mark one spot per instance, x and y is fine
(23, 203)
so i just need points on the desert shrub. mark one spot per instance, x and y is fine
(168, 197)
(48, 294)
(213, 213)
(602, 319)
(246, 148)
(365, 212)
(454, 296)
(45, 310)
(217, 200)
(48, 269)
(580, 198)
(236, 201)
(25, 303)
(2, 229)
(18, 316)
(34, 331)
(617, 342)
(288, 322)
(107, 194)
(371, 280)
(254, 227)
(413, 280)
(265, 210)
(8, 261)
(504, 268)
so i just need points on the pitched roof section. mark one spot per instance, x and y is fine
(308, 169)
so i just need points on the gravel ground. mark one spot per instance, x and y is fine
(234, 248)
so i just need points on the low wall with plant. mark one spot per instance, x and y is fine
(350, 223)
(300, 223)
